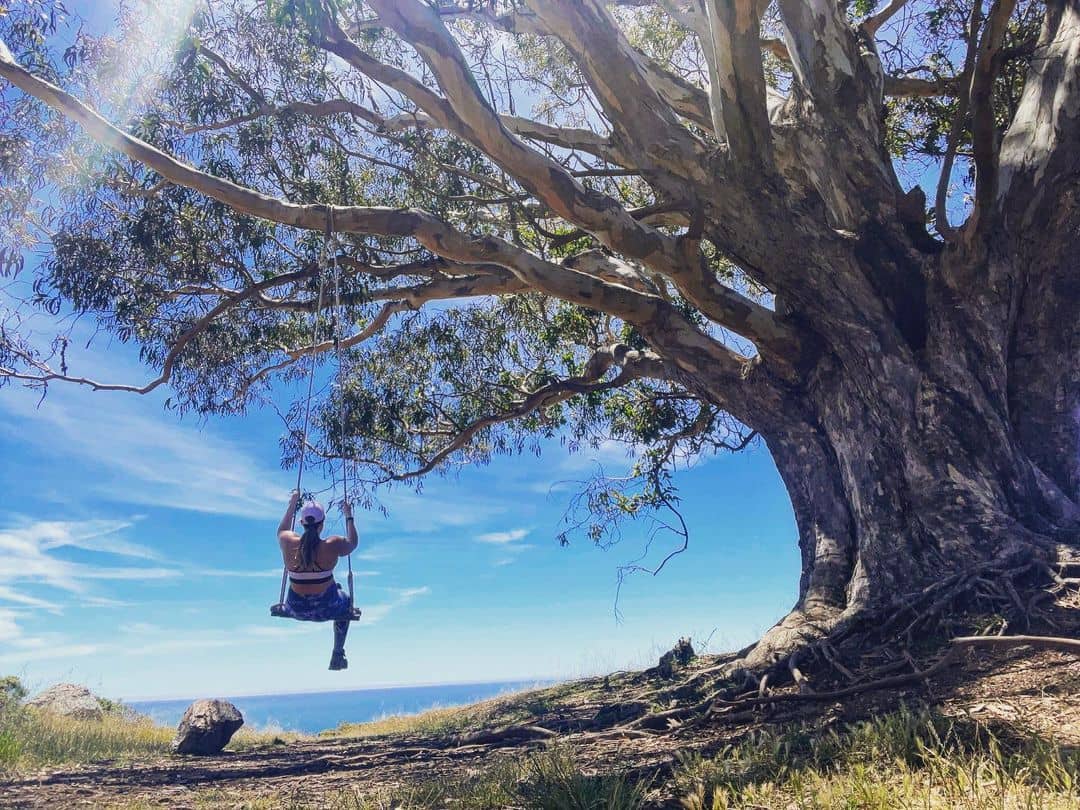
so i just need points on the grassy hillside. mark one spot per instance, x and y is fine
(893, 751)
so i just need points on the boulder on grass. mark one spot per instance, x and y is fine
(206, 727)
(69, 700)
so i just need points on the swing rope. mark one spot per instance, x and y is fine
(336, 331)
(315, 338)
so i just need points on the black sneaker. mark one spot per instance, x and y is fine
(338, 660)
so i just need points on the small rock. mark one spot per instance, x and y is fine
(69, 700)
(206, 727)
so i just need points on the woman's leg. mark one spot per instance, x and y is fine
(337, 657)
(341, 629)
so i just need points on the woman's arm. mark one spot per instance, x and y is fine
(287, 520)
(352, 540)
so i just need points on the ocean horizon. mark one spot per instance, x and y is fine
(312, 712)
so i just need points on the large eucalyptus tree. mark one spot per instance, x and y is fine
(680, 224)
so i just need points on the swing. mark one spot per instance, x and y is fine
(280, 610)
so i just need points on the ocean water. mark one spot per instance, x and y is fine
(317, 711)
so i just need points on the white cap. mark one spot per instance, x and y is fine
(312, 513)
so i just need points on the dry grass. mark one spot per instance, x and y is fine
(902, 760)
(506, 708)
(431, 722)
(31, 739)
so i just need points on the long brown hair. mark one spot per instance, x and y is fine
(309, 541)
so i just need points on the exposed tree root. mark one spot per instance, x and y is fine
(718, 707)
(1011, 587)
(503, 734)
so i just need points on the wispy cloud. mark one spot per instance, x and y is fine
(502, 538)
(424, 512)
(139, 628)
(45, 652)
(261, 573)
(25, 557)
(91, 535)
(375, 613)
(20, 648)
(151, 458)
(32, 557)
(9, 629)
(12, 596)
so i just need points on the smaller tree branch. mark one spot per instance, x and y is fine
(233, 74)
(314, 109)
(911, 87)
(378, 323)
(956, 129)
(635, 365)
(872, 24)
(583, 140)
(47, 374)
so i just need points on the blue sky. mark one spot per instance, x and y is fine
(138, 556)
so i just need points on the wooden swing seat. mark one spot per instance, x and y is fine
(280, 611)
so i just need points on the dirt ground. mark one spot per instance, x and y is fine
(1025, 691)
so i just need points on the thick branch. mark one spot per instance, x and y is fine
(682, 96)
(911, 87)
(466, 113)
(822, 49)
(983, 125)
(438, 289)
(738, 93)
(643, 123)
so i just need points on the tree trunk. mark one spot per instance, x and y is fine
(905, 471)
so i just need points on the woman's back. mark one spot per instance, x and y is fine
(324, 558)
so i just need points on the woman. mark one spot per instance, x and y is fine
(314, 595)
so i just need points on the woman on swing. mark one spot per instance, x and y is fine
(314, 595)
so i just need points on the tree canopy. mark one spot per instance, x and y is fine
(553, 218)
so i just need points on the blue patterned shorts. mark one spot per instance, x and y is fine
(331, 604)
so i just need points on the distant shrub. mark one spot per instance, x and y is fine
(12, 691)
